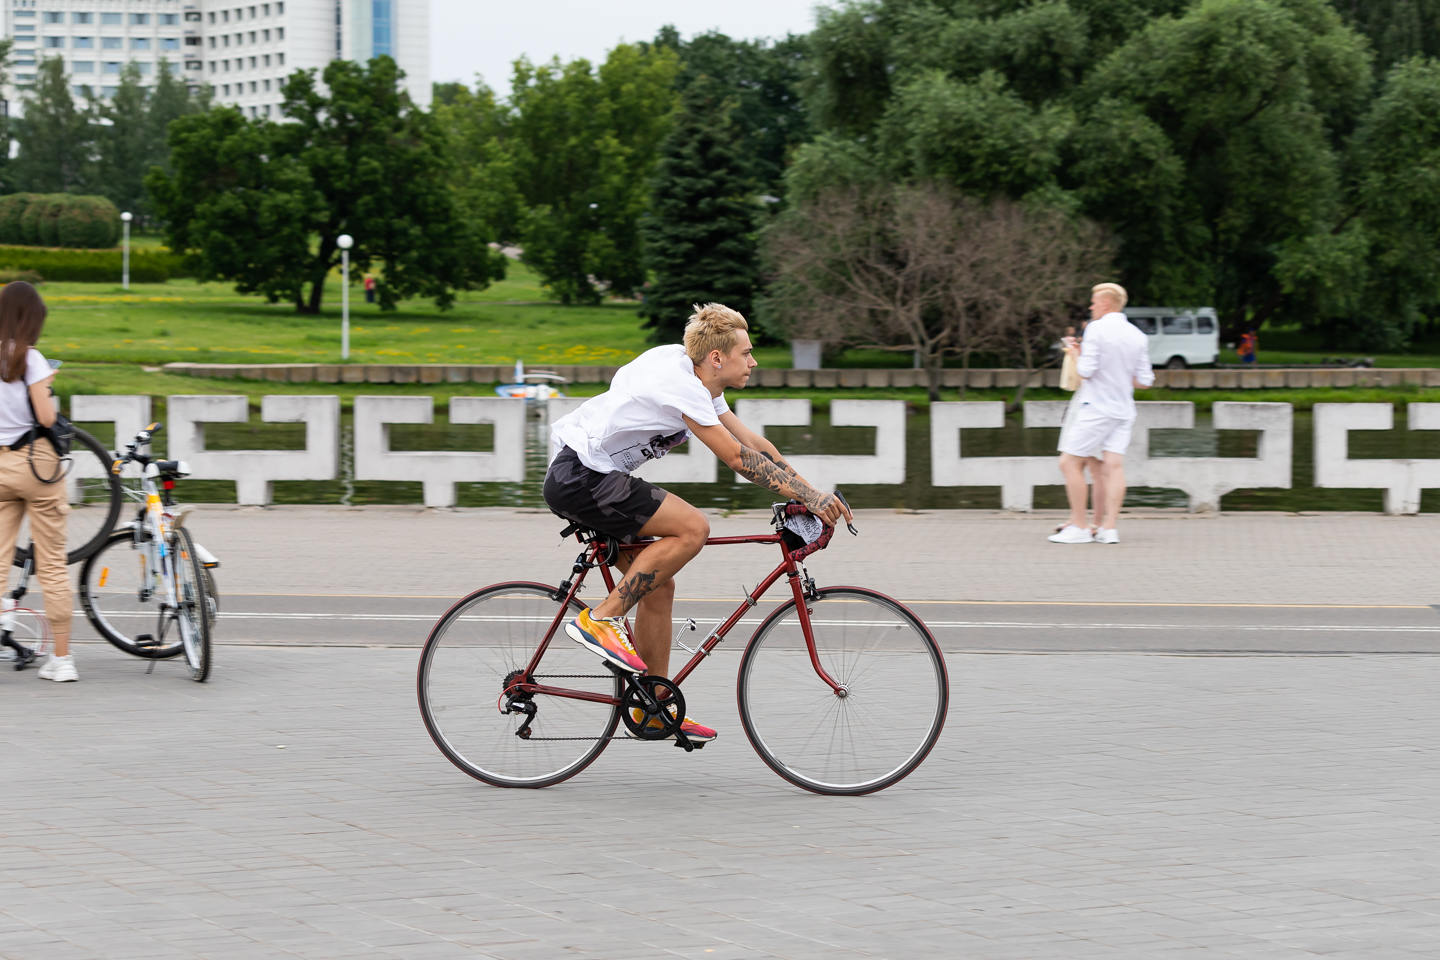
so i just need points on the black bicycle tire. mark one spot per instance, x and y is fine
(182, 556)
(85, 550)
(120, 539)
(774, 763)
(433, 728)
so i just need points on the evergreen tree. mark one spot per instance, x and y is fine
(699, 234)
(55, 137)
(124, 149)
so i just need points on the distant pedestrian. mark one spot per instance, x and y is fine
(1248, 346)
(31, 473)
(1112, 361)
(369, 288)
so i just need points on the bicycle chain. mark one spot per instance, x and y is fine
(576, 676)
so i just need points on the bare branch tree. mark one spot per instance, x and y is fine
(924, 269)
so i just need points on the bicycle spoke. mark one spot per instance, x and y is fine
(480, 647)
(887, 716)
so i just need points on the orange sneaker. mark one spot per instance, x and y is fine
(606, 637)
(699, 733)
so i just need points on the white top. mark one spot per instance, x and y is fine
(16, 416)
(640, 417)
(1114, 356)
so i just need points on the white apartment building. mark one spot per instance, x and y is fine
(243, 50)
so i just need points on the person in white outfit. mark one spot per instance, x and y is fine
(1113, 360)
(31, 477)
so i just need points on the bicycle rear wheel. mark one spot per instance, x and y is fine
(119, 592)
(886, 718)
(480, 647)
(95, 497)
(192, 612)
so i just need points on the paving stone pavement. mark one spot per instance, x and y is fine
(1077, 806)
(1165, 556)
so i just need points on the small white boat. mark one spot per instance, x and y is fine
(532, 386)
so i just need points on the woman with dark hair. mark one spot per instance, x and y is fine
(25, 400)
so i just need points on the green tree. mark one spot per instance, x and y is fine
(1398, 29)
(1373, 274)
(584, 144)
(699, 232)
(6, 46)
(764, 79)
(55, 137)
(125, 148)
(241, 208)
(1206, 141)
(356, 159)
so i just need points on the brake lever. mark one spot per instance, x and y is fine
(848, 525)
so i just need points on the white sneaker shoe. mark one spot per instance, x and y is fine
(1072, 534)
(1107, 536)
(59, 669)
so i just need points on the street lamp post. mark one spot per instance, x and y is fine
(125, 251)
(345, 242)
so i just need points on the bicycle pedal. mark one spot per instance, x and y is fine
(145, 640)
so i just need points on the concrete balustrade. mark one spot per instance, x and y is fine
(439, 471)
(1401, 479)
(126, 414)
(1204, 480)
(827, 471)
(254, 471)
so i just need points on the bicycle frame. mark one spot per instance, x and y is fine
(597, 554)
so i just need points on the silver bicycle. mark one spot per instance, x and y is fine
(150, 588)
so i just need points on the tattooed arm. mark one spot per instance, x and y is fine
(766, 469)
(749, 438)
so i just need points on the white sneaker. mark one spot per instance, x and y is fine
(1107, 536)
(1072, 534)
(59, 669)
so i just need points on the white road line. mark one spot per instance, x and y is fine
(820, 621)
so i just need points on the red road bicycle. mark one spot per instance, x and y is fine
(842, 690)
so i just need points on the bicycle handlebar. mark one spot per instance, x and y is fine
(132, 449)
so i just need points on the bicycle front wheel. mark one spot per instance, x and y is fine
(95, 497)
(482, 646)
(192, 610)
(120, 592)
(882, 721)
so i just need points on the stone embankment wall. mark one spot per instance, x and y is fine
(825, 379)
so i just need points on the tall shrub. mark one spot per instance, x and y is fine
(88, 222)
(11, 207)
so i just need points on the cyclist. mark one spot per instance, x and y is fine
(656, 402)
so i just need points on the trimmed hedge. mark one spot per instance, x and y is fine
(58, 220)
(91, 266)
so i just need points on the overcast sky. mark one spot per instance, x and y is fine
(469, 37)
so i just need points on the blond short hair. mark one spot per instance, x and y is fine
(711, 327)
(1114, 291)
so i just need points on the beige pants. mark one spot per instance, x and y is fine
(47, 506)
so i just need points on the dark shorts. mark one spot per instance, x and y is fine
(614, 503)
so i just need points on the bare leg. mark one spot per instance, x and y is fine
(1097, 490)
(681, 531)
(1114, 471)
(653, 622)
(1073, 468)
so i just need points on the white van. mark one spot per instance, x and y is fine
(1179, 337)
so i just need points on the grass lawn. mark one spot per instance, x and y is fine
(151, 324)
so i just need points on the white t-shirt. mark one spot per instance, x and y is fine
(15, 414)
(640, 417)
(1114, 356)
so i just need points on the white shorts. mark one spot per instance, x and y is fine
(1088, 434)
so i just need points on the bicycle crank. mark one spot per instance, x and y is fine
(653, 709)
